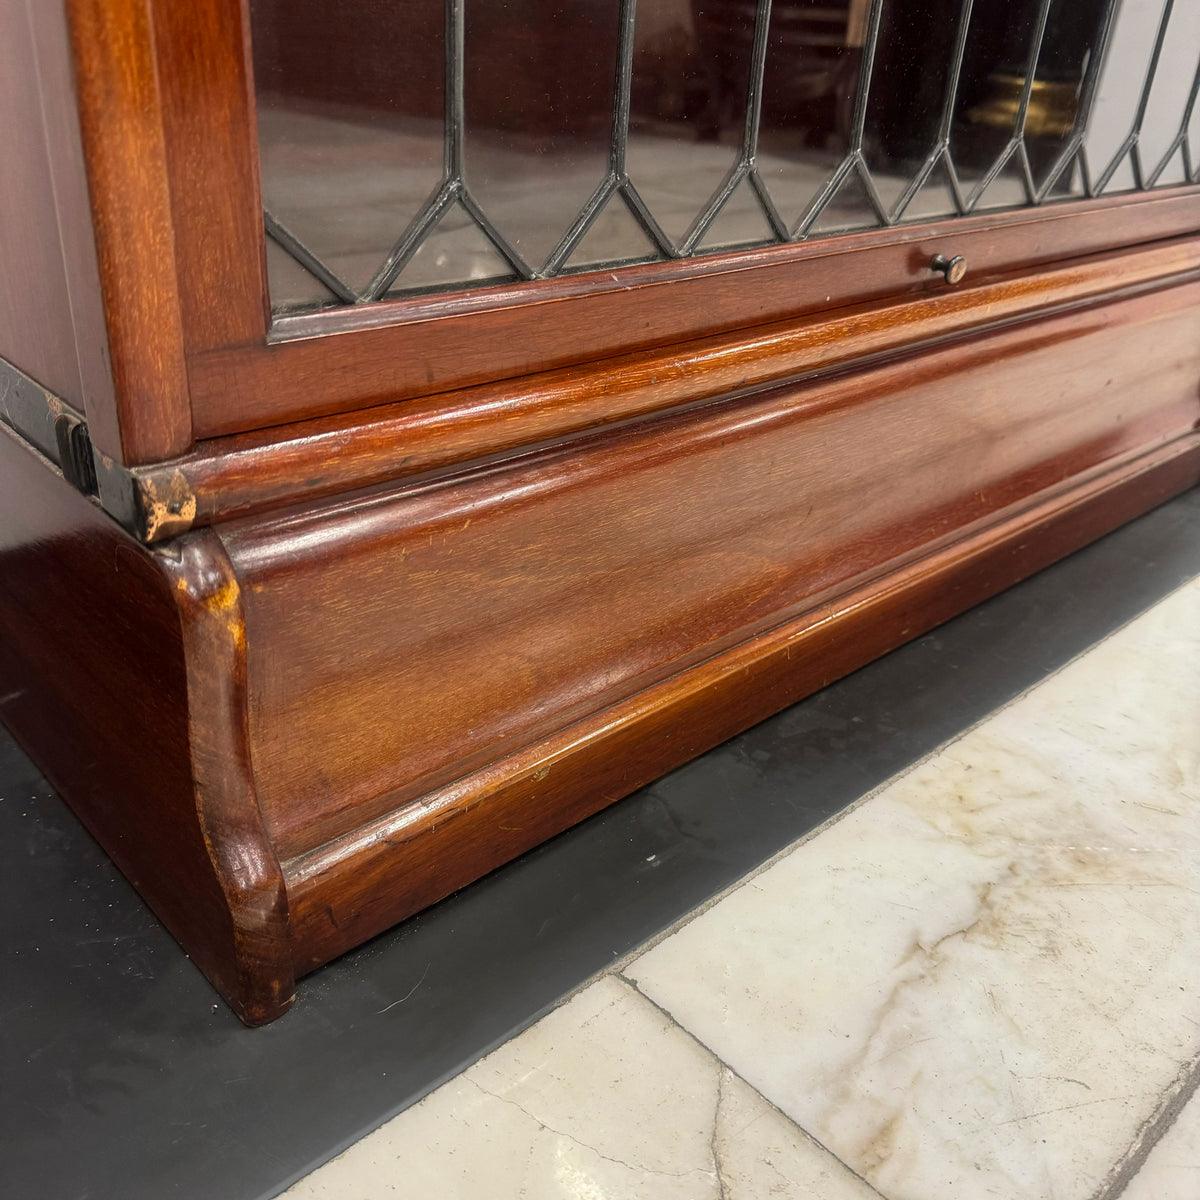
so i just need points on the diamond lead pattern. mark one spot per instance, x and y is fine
(1121, 109)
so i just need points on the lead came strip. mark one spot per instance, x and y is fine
(1069, 168)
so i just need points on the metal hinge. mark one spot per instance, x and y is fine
(49, 424)
(152, 504)
(75, 452)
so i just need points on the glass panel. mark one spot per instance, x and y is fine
(911, 105)
(811, 79)
(1002, 43)
(538, 103)
(292, 287)
(350, 104)
(1006, 189)
(456, 251)
(849, 207)
(687, 104)
(1172, 90)
(741, 222)
(615, 236)
(418, 145)
(934, 195)
(1068, 61)
(1138, 34)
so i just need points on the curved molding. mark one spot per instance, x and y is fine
(214, 635)
(252, 473)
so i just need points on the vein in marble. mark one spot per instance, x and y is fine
(604, 1099)
(980, 982)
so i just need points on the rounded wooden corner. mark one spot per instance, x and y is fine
(255, 1009)
(253, 970)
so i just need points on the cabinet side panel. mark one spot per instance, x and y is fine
(404, 640)
(51, 321)
(110, 681)
(52, 45)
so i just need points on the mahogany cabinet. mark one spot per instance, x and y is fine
(424, 424)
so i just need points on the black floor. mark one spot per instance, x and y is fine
(122, 1076)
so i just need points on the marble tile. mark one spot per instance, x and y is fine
(604, 1099)
(980, 982)
(1172, 1171)
(763, 1156)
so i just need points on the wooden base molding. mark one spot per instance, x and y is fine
(251, 473)
(362, 883)
(314, 617)
(295, 727)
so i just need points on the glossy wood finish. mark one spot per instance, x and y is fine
(191, 294)
(605, 567)
(121, 673)
(469, 567)
(293, 729)
(211, 150)
(250, 473)
(117, 79)
(350, 889)
(258, 977)
(439, 344)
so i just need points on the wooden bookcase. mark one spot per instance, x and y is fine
(315, 618)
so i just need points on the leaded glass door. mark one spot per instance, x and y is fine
(436, 145)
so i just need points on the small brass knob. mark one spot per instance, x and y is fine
(952, 268)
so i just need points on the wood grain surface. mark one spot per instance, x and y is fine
(441, 344)
(165, 92)
(257, 979)
(404, 638)
(348, 890)
(472, 566)
(249, 473)
(211, 147)
(117, 80)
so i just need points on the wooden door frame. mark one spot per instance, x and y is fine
(168, 114)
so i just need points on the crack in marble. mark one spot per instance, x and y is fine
(562, 1133)
(713, 1146)
(992, 922)
(589, 1021)
(920, 964)
(1049, 861)
(1045, 1112)
(802, 1133)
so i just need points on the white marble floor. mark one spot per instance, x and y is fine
(982, 981)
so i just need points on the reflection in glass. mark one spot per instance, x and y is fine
(433, 144)
(349, 125)
(1060, 99)
(911, 105)
(811, 81)
(687, 104)
(539, 93)
(1139, 33)
(1174, 87)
